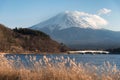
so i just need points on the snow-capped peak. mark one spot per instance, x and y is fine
(69, 19)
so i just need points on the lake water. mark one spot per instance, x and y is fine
(97, 59)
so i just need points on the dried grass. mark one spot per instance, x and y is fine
(45, 69)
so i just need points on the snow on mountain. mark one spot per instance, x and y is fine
(69, 19)
(80, 30)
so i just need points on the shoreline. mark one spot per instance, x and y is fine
(35, 53)
(59, 53)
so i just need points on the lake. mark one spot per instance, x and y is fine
(98, 59)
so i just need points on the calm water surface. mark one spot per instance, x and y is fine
(98, 59)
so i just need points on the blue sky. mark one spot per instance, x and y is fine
(25, 13)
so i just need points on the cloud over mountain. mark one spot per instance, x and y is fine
(95, 21)
(104, 11)
(69, 19)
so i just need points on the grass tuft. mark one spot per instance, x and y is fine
(46, 69)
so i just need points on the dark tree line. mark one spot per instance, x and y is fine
(26, 31)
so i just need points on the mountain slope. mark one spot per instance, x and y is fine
(80, 38)
(25, 40)
(70, 19)
(79, 31)
(6, 38)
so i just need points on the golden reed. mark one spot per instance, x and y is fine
(45, 69)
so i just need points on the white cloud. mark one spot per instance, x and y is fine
(87, 20)
(95, 21)
(104, 11)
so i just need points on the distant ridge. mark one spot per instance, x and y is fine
(25, 40)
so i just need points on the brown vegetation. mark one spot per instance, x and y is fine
(25, 40)
(44, 69)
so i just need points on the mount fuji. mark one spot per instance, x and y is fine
(80, 30)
